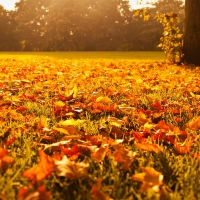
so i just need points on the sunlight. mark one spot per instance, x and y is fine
(135, 4)
(8, 5)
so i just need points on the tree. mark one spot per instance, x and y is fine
(8, 39)
(191, 40)
(30, 17)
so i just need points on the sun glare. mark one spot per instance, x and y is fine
(8, 4)
(136, 4)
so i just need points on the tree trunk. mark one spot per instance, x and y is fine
(191, 40)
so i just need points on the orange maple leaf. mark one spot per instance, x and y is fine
(99, 154)
(5, 159)
(184, 147)
(149, 147)
(194, 124)
(40, 194)
(150, 179)
(42, 170)
(123, 157)
(96, 192)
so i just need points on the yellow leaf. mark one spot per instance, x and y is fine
(59, 103)
(150, 179)
(194, 124)
(71, 122)
(75, 91)
(61, 130)
(148, 126)
(105, 100)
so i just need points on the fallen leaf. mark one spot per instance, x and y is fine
(99, 154)
(149, 147)
(123, 157)
(40, 194)
(96, 192)
(42, 170)
(150, 178)
(105, 100)
(5, 159)
(71, 169)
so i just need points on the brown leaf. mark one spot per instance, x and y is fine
(71, 169)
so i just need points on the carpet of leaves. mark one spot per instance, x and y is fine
(98, 129)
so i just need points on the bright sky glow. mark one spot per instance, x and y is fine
(10, 4)
(136, 3)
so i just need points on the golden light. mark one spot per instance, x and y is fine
(136, 4)
(8, 4)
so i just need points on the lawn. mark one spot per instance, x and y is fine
(98, 128)
(135, 55)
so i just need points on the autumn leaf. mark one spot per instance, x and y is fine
(150, 178)
(183, 148)
(40, 194)
(42, 123)
(149, 147)
(96, 192)
(194, 124)
(142, 119)
(5, 159)
(42, 170)
(61, 130)
(59, 104)
(71, 122)
(99, 154)
(72, 153)
(105, 100)
(71, 169)
(148, 126)
(123, 156)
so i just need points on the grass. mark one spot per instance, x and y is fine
(129, 129)
(135, 55)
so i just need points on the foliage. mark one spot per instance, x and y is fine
(171, 41)
(55, 25)
(98, 129)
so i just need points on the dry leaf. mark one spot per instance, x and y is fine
(123, 157)
(42, 170)
(194, 124)
(96, 192)
(5, 159)
(71, 169)
(71, 122)
(105, 100)
(150, 179)
(99, 154)
(40, 194)
(184, 147)
(149, 147)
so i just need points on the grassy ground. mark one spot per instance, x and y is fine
(84, 129)
(134, 55)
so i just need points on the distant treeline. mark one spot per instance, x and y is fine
(86, 25)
